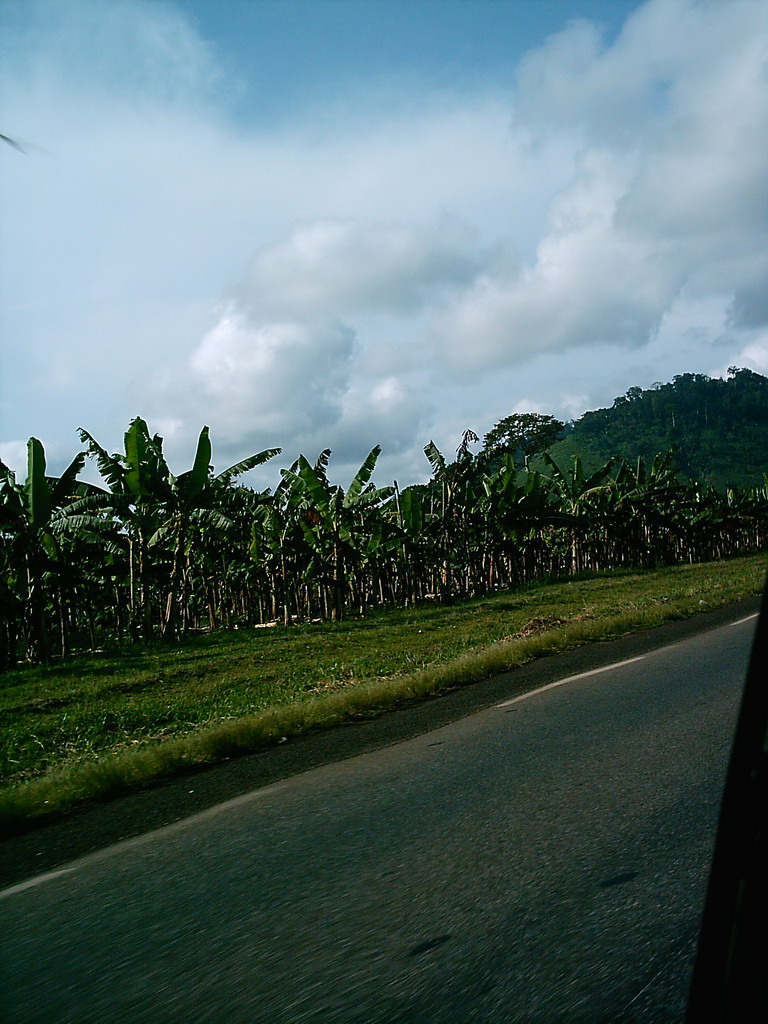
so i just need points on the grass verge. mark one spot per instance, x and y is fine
(101, 725)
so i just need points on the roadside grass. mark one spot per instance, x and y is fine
(98, 725)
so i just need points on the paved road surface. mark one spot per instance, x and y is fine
(537, 862)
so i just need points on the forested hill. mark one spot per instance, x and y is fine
(719, 428)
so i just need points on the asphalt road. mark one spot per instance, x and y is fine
(538, 862)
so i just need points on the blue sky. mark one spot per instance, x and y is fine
(336, 223)
(297, 55)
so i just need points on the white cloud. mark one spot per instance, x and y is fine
(408, 270)
(273, 378)
(670, 192)
(14, 455)
(754, 356)
(578, 291)
(280, 363)
(344, 267)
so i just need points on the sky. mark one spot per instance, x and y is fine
(339, 223)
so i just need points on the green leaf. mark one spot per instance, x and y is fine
(147, 474)
(136, 442)
(64, 487)
(110, 466)
(36, 487)
(316, 487)
(211, 518)
(247, 464)
(374, 496)
(322, 464)
(161, 534)
(310, 535)
(412, 511)
(6, 473)
(50, 546)
(198, 475)
(364, 474)
(436, 459)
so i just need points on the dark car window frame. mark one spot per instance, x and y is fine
(730, 977)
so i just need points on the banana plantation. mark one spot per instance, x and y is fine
(149, 554)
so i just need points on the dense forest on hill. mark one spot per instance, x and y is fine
(718, 428)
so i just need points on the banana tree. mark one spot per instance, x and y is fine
(191, 506)
(339, 529)
(224, 584)
(449, 490)
(413, 522)
(137, 490)
(521, 507)
(579, 496)
(160, 511)
(28, 515)
(649, 510)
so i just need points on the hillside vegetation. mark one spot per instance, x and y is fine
(717, 428)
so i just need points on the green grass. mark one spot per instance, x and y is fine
(101, 724)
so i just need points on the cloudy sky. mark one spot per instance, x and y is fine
(336, 223)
